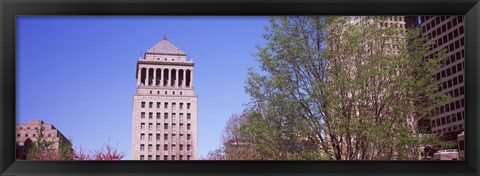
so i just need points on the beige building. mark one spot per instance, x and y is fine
(448, 31)
(28, 133)
(164, 123)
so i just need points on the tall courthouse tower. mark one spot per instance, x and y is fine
(164, 124)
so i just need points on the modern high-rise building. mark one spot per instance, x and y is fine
(29, 133)
(448, 31)
(164, 106)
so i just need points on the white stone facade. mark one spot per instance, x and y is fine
(164, 124)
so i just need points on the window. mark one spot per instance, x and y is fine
(181, 147)
(165, 126)
(188, 136)
(150, 105)
(165, 105)
(34, 135)
(149, 147)
(454, 118)
(158, 115)
(150, 136)
(181, 137)
(181, 104)
(149, 157)
(158, 104)
(143, 115)
(173, 147)
(150, 126)
(173, 136)
(188, 157)
(173, 157)
(181, 157)
(49, 135)
(26, 135)
(150, 115)
(188, 116)
(173, 105)
(188, 105)
(165, 116)
(143, 104)
(165, 92)
(18, 135)
(142, 147)
(158, 126)
(165, 157)
(158, 136)
(181, 126)
(142, 126)
(438, 122)
(165, 136)
(157, 157)
(449, 120)
(180, 92)
(443, 121)
(173, 92)
(142, 157)
(173, 126)
(188, 126)
(142, 136)
(173, 116)
(188, 147)
(158, 148)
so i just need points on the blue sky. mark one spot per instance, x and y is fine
(78, 73)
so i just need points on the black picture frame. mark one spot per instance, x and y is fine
(9, 9)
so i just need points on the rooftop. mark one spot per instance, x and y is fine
(165, 47)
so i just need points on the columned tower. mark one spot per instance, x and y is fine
(164, 124)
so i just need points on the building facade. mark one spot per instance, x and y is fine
(164, 123)
(29, 133)
(448, 31)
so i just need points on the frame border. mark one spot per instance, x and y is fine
(9, 9)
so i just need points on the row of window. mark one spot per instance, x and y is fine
(165, 115)
(165, 157)
(27, 128)
(450, 71)
(451, 82)
(165, 105)
(165, 147)
(437, 21)
(165, 126)
(166, 92)
(165, 137)
(452, 128)
(35, 135)
(447, 119)
(450, 106)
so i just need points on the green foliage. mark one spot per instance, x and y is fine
(340, 88)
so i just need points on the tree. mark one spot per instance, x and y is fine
(343, 88)
(217, 154)
(44, 149)
(236, 143)
(106, 152)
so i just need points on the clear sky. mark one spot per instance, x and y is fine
(78, 73)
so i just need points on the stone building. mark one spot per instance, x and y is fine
(28, 133)
(448, 31)
(164, 122)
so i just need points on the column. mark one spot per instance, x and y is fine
(191, 78)
(147, 77)
(139, 76)
(161, 77)
(184, 76)
(176, 78)
(154, 76)
(169, 77)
